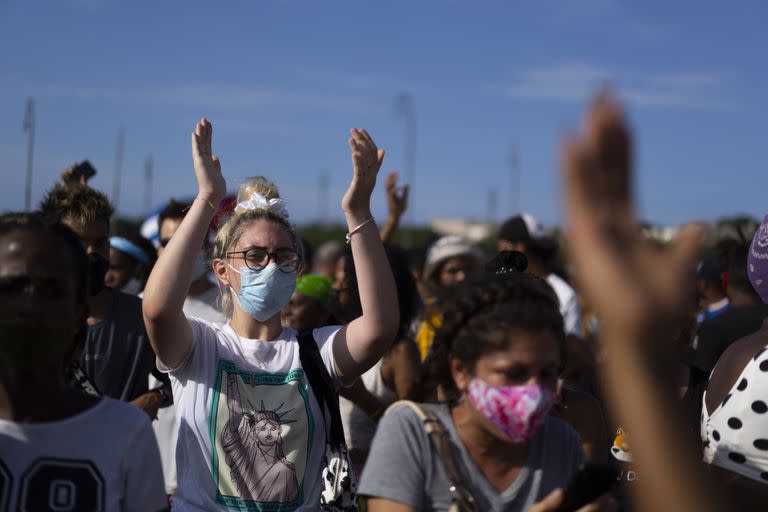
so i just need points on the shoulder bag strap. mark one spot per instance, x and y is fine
(322, 385)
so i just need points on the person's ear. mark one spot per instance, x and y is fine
(460, 373)
(220, 271)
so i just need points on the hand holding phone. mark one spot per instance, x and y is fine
(78, 173)
(587, 485)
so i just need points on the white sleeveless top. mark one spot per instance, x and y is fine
(358, 427)
(735, 435)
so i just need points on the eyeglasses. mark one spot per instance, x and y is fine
(256, 258)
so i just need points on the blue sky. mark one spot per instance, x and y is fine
(284, 81)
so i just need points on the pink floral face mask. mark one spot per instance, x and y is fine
(518, 411)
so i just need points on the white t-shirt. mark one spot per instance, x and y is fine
(104, 458)
(569, 304)
(251, 435)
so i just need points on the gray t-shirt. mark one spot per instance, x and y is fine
(117, 356)
(403, 467)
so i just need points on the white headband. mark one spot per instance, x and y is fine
(259, 202)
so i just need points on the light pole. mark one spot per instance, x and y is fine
(148, 170)
(493, 205)
(324, 184)
(118, 167)
(514, 167)
(29, 128)
(404, 108)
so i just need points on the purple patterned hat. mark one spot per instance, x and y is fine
(757, 261)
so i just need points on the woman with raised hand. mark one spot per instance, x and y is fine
(61, 449)
(253, 359)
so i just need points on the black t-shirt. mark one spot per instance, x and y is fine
(117, 356)
(717, 333)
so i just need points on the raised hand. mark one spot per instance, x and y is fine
(77, 173)
(397, 197)
(210, 182)
(633, 286)
(366, 160)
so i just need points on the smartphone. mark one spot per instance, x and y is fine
(83, 170)
(588, 484)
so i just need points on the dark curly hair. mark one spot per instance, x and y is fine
(175, 210)
(478, 314)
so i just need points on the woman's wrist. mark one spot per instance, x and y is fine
(212, 197)
(357, 217)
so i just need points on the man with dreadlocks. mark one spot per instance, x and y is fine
(253, 444)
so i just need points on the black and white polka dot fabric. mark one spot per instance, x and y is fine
(735, 435)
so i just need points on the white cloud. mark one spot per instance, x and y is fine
(575, 81)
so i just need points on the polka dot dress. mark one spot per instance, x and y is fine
(735, 435)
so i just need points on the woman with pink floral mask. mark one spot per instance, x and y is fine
(498, 353)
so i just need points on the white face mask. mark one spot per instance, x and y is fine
(132, 287)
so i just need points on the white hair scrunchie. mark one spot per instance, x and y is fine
(259, 202)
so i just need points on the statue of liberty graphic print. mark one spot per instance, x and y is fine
(262, 439)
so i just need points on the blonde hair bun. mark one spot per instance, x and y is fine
(260, 185)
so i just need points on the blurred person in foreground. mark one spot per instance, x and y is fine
(60, 449)
(641, 293)
(116, 357)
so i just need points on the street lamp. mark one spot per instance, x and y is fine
(403, 107)
(29, 128)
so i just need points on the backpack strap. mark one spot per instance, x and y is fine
(322, 385)
(438, 437)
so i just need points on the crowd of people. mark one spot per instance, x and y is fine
(219, 362)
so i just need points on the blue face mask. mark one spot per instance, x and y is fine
(264, 293)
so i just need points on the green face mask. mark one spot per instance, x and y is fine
(35, 342)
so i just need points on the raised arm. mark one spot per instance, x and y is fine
(366, 338)
(168, 284)
(233, 401)
(397, 203)
(640, 294)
